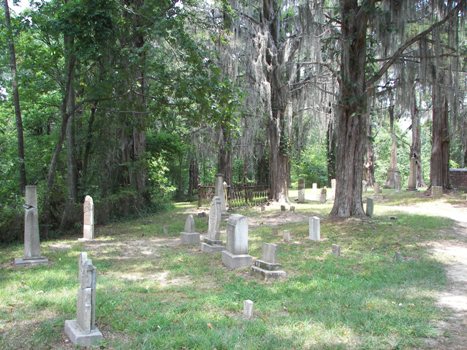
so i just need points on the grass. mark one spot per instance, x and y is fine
(155, 294)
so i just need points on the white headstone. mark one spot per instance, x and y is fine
(314, 228)
(189, 224)
(237, 234)
(88, 218)
(219, 192)
(248, 309)
(269, 252)
(214, 223)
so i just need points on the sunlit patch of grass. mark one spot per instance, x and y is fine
(155, 293)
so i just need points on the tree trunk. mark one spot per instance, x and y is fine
(393, 176)
(370, 159)
(224, 165)
(14, 82)
(331, 150)
(352, 114)
(416, 147)
(193, 181)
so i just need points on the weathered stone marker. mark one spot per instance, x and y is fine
(236, 255)
(268, 267)
(336, 250)
(212, 242)
(189, 234)
(314, 230)
(286, 236)
(322, 197)
(83, 330)
(436, 191)
(248, 309)
(301, 190)
(32, 244)
(292, 208)
(219, 192)
(88, 219)
(369, 207)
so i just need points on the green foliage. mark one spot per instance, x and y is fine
(160, 187)
(312, 166)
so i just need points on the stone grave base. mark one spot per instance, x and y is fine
(211, 246)
(31, 261)
(190, 237)
(267, 270)
(77, 336)
(85, 239)
(236, 261)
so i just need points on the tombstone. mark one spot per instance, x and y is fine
(322, 197)
(236, 253)
(314, 228)
(268, 267)
(292, 209)
(248, 309)
(436, 191)
(32, 244)
(83, 330)
(332, 192)
(189, 234)
(301, 190)
(364, 185)
(219, 192)
(369, 207)
(226, 191)
(212, 242)
(336, 250)
(412, 186)
(283, 208)
(88, 219)
(286, 236)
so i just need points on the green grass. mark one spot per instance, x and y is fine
(154, 294)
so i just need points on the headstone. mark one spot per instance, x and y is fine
(322, 197)
(88, 219)
(189, 234)
(364, 185)
(283, 208)
(219, 192)
(83, 330)
(212, 242)
(412, 186)
(301, 190)
(236, 253)
(314, 228)
(226, 191)
(32, 244)
(436, 191)
(336, 250)
(268, 267)
(292, 209)
(248, 309)
(286, 236)
(369, 207)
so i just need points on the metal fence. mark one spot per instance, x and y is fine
(237, 195)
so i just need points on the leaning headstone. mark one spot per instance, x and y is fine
(369, 207)
(268, 267)
(314, 230)
(436, 191)
(322, 197)
(32, 244)
(301, 190)
(88, 219)
(336, 250)
(189, 234)
(212, 242)
(248, 309)
(83, 330)
(219, 192)
(236, 253)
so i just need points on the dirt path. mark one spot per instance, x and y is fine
(453, 253)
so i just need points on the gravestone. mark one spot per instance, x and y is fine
(219, 192)
(88, 219)
(236, 253)
(189, 234)
(292, 208)
(212, 242)
(83, 330)
(283, 208)
(336, 250)
(412, 186)
(248, 309)
(286, 236)
(436, 191)
(268, 267)
(314, 228)
(32, 244)
(301, 190)
(322, 197)
(369, 207)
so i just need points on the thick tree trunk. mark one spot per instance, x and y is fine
(416, 147)
(393, 175)
(370, 160)
(193, 181)
(331, 150)
(14, 82)
(352, 114)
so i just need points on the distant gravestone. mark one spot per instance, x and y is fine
(322, 197)
(248, 309)
(88, 219)
(286, 236)
(189, 234)
(301, 190)
(314, 229)
(212, 242)
(436, 191)
(292, 208)
(369, 207)
(336, 250)
(32, 244)
(83, 330)
(268, 267)
(236, 253)
(219, 192)
(283, 208)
